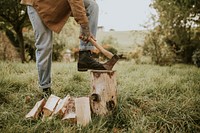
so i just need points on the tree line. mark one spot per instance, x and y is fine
(175, 38)
(15, 24)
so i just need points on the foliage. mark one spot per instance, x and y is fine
(112, 50)
(196, 57)
(13, 18)
(62, 41)
(160, 99)
(69, 35)
(157, 49)
(57, 52)
(135, 54)
(109, 43)
(177, 20)
(66, 39)
(110, 40)
(7, 50)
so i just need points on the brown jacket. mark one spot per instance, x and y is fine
(55, 13)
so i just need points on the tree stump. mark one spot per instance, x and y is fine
(103, 98)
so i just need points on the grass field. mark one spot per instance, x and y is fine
(150, 99)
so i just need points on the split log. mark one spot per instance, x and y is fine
(70, 111)
(34, 113)
(71, 117)
(82, 106)
(103, 97)
(50, 105)
(61, 107)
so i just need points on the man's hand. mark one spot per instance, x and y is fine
(85, 34)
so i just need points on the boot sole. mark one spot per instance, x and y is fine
(81, 67)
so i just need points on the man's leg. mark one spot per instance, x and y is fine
(86, 61)
(92, 10)
(43, 43)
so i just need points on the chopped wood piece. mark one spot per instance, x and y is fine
(71, 105)
(82, 106)
(50, 105)
(34, 113)
(61, 107)
(70, 115)
(103, 97)
(70, 110)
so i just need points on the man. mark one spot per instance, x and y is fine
(49, 16)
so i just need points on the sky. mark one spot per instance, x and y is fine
(123, 15)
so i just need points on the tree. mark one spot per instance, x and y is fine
(13, 18)
(177, 21)
(155, 47)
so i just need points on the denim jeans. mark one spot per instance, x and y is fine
(92, 11)
(44, 45)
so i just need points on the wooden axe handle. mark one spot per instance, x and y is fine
(104, 51)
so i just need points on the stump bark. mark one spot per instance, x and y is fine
(103, 98)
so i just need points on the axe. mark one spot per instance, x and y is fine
(104, 51)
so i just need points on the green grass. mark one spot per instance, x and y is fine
(150, 99)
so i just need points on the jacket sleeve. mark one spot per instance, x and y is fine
(78, 11)
(27, 2)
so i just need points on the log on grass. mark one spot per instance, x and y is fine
(83, 113)
(71, 117)
(103, 98)
(50, 105)
(70, 113)
(34, 113)
(62, 106)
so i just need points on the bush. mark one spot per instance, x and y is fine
(196, 57)
(158, 50)
(58, 52)
(7, 50)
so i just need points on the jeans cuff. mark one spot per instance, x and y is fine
(82, 48)
(45, 86)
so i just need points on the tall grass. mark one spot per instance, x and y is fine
(150, 99)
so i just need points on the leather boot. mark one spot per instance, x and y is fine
(46, 92)
(86, 62)
(109, 64)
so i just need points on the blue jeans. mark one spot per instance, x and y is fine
(44, 45)
(92, 11)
